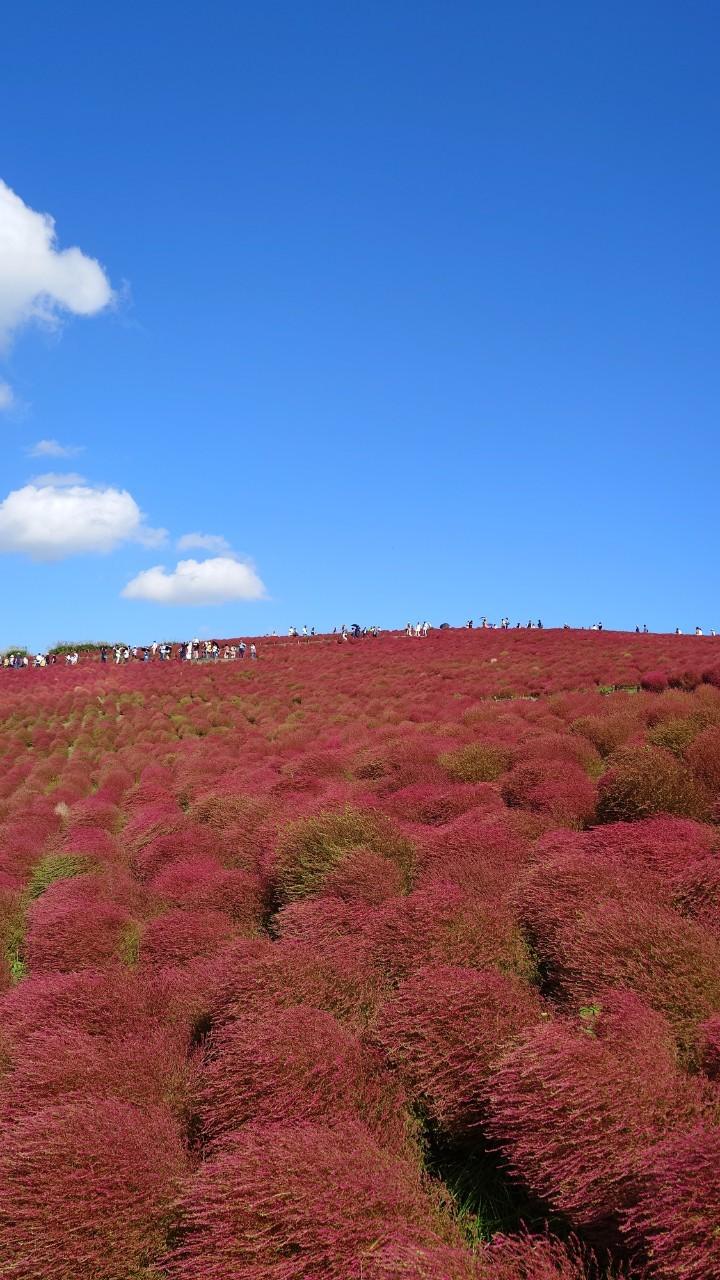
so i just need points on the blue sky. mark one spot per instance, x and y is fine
(415, 305)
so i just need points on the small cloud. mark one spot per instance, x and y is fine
(203, 542)
(38, 281)
(197, 582)
(53, 449)
(57, 478)
(7, 399)
(52, 521)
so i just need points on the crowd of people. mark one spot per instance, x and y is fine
(221, 651)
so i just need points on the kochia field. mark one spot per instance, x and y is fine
(397, 958)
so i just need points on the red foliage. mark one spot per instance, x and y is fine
(634, 944)
(441, 924)
(443, 1030)
(678, 1210)
(541, 1257)
(405, 1257)
(202, 883)
(366, 877)
(88, 1188)
(654, 681)
(561, 790)
(147, 1066)
(573, 1106)
(641, 781)
(297, 1202)
(72, 926)
(297, 1062)
(251, 976)
(709, 1044)
(178, 937)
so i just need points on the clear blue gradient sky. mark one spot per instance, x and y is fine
(417, 306)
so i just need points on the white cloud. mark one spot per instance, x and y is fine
(52, 521)
(201, 582)
(53, 449)
(203, 542)
(6, 396)
(38, 281)
(57, 478)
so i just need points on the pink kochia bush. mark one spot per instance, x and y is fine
(73, 926)
(297, 1062)
(677, 1214)
(444, 1028)
(574, 1105)
(202, 883)
(149, 1065)
(181, 936)
(87, 1190)
(301, 1201)
(670, 961)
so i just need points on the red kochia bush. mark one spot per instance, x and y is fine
(297, 1202)
(441, 924)
(106, 1002)
(541, 1257)
(72, 926)
(641, 781)
(297, 1062)
(147, 1065)
(413, 1261)
(481, 853)
(202, 883)
(364, 876)
(678, 1210)
(560, 789)
(574, 1106)
(180, 936)
(87, 1189)
(256, 975)
(673, 963)
(443, 1030)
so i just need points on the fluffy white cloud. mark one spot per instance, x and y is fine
(203, 542)
(38, 281)
(6, 396)
(53, 449)
(203, 582)
(52, 521)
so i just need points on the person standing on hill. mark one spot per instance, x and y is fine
(253, 652)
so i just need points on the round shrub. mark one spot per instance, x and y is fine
(654, 681)
(642, 781)
(565, 793)
(441, 924)
(444, 1028)
(413, 1261)
(539, 1257)
(678, 1210)
(709, 1046)
(476, 762)
(433, 805)
(178, 937)
(299, 1201)
(202, 883)
(88, 1188)
(146, 1066)
(251, 976)
(72, 926)
(671, 962)
(574, 1105)
(311, 848)
(297, 1062)
(364, 877)
(703, 757)
(483, 855)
